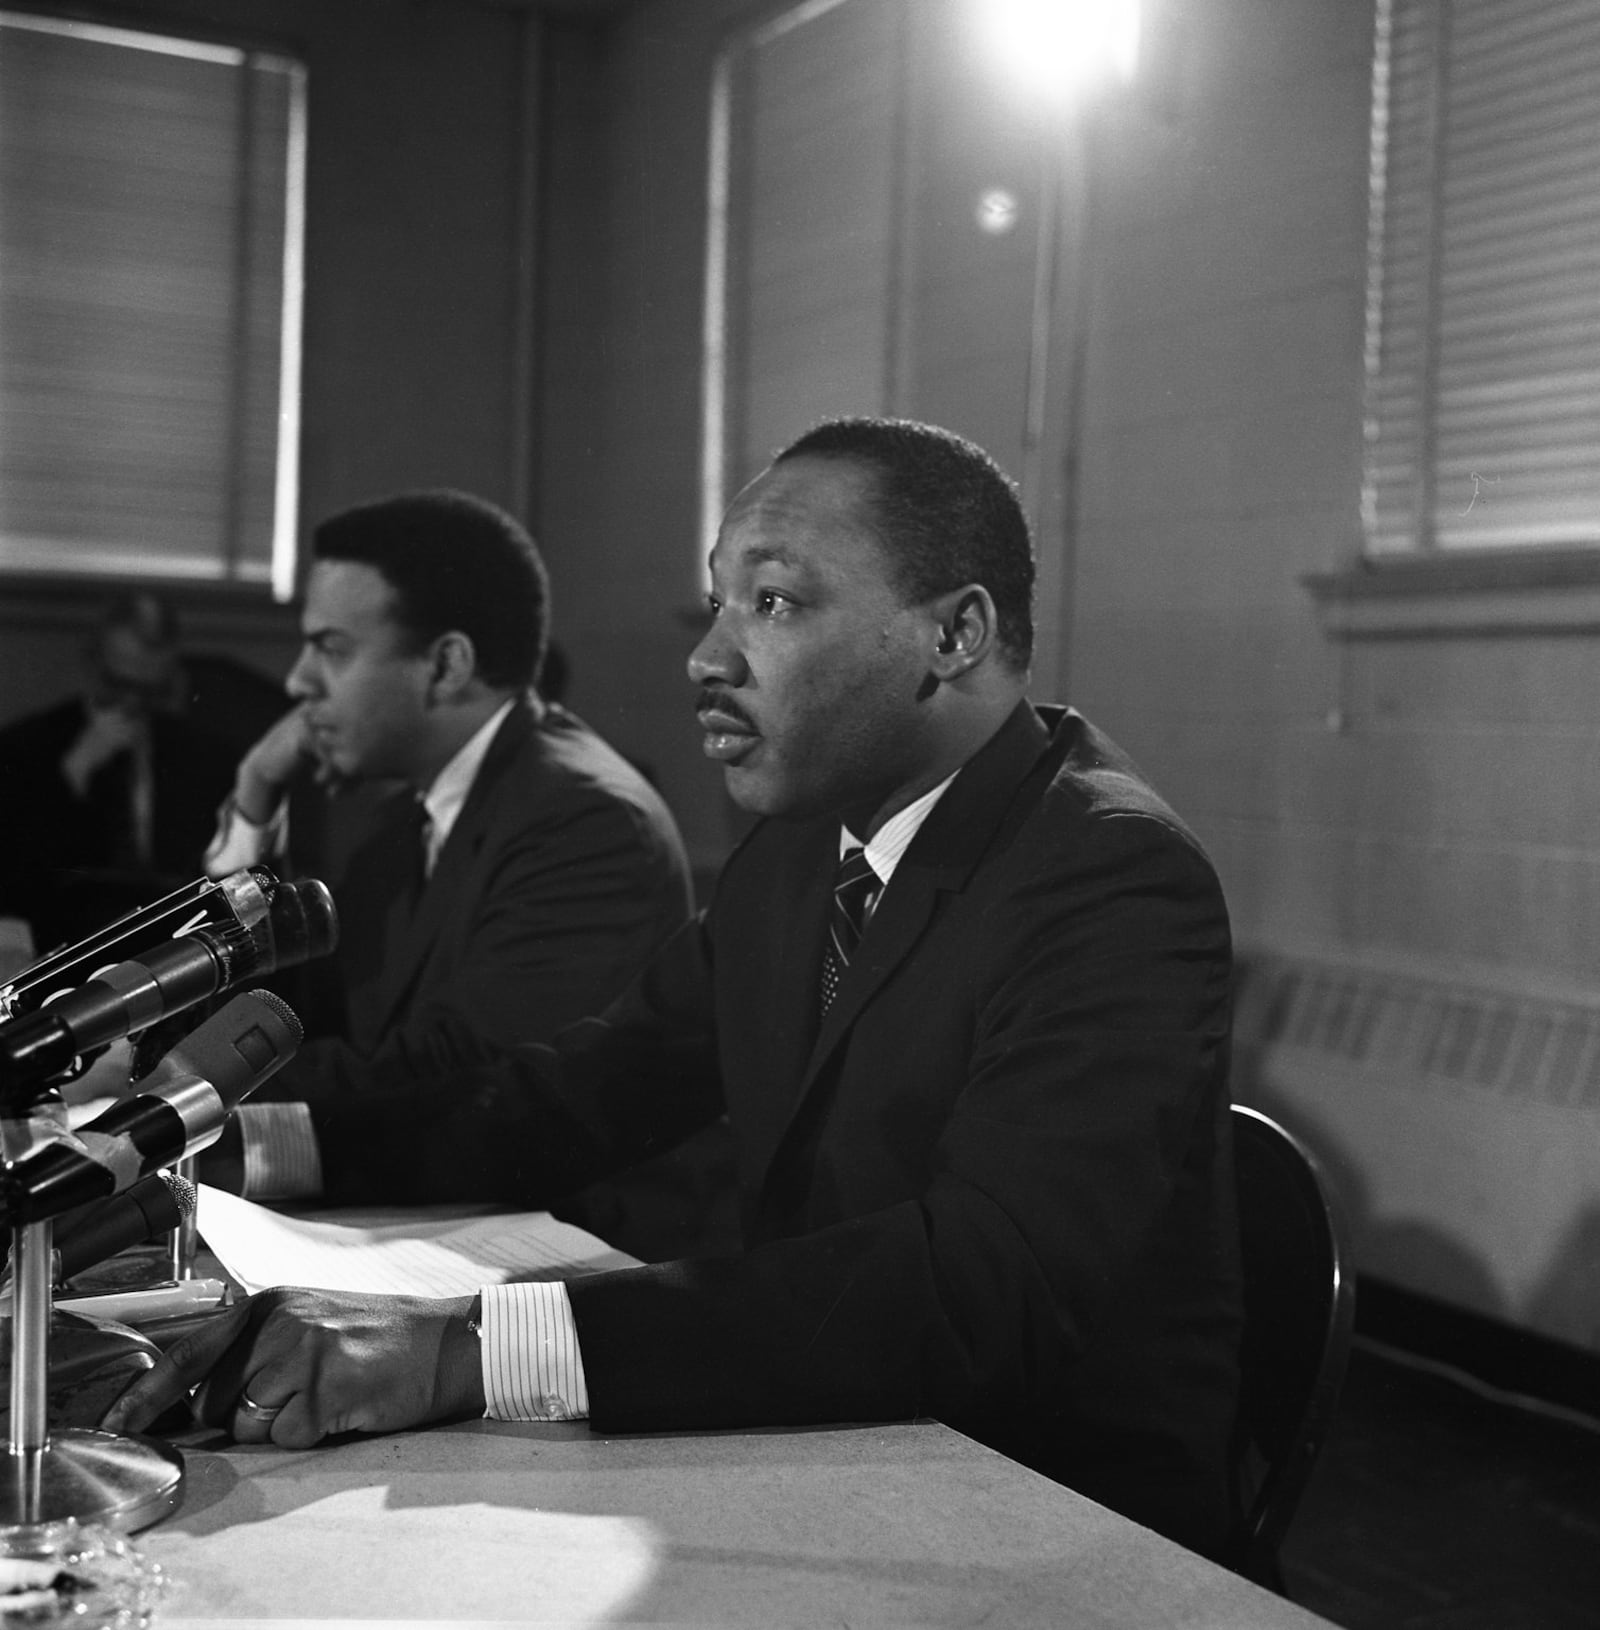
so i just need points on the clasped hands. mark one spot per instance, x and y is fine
(293, 1367)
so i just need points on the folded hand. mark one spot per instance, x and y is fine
(295, 1366)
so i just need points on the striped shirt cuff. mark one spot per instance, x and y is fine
(532, 1369)
(282, 1160)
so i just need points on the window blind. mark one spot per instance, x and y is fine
(1483, 342)
(148, 303)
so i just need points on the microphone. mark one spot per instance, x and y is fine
(297, 922)
(178, 1109)
(240, 899)
(154, 1205)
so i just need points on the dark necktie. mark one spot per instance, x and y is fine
(853, 887)
(418, 829)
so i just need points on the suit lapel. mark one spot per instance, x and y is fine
(785, 909)
(383, 912)
(415, 934)
(952, 840)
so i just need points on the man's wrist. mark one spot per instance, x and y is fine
(77, 768)
(255, 798)
(458, 1389)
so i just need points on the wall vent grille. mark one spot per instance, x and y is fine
(1422, 1030)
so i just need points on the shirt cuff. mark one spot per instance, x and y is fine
(532, 1368)
(282, 1159)
(239, 842)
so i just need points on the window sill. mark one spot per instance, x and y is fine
(212, 610)
(1509, 592)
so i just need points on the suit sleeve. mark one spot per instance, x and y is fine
(537, 1121)
(568, 911)
(1062, 1175)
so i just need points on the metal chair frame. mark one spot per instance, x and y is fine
(1299, 1296)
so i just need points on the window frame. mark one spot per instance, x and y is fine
(1420, 584)
(270, 571)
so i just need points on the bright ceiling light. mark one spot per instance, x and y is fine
(1061, 46)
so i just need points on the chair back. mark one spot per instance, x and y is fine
(1299, 1309)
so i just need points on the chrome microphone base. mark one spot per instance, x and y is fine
(122, 1481)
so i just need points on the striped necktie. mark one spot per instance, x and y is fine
(854, 885)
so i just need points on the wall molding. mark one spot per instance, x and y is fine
(1463, 593)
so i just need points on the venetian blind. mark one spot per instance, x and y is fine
(149, 283)
(1483, 348)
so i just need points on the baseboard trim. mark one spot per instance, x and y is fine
(1503, 1356)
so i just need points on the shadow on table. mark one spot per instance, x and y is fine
(262, 1481)
(886, 1522)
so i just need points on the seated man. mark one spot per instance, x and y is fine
(507, 871)
(981, 1118)
(110, 795)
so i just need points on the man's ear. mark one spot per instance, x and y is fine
(967, 631)
(454, 663)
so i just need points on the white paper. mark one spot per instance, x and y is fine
(418, 1253)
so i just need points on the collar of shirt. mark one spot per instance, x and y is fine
(444, 799)
(893, 838)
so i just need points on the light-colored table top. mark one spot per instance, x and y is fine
(492, 1523)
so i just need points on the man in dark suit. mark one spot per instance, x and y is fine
(504, 871)
(108, 797)
(982, 1139)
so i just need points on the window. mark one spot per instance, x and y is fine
(150, 243)
(801, 247)
(887, 233)
(1483, 338)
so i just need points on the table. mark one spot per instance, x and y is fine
(496, 1523)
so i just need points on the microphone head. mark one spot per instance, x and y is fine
(293, 1031)
(218, 909)
(248, 1039)
(185, 1196)
(303, 922)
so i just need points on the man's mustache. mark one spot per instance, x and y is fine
(719, 701)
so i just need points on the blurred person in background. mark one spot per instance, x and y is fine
(107, 799)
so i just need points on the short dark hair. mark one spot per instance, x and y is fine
(947, 515)
(455, 562)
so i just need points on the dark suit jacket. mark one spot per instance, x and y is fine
(562, 873)
(67, 863)
(995, 1186)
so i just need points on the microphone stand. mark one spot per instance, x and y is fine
(124, 1481)
(186, 1236)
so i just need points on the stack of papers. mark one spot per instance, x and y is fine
(416, 1253)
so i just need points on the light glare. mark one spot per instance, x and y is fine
(997, 210)
(1056, 46)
